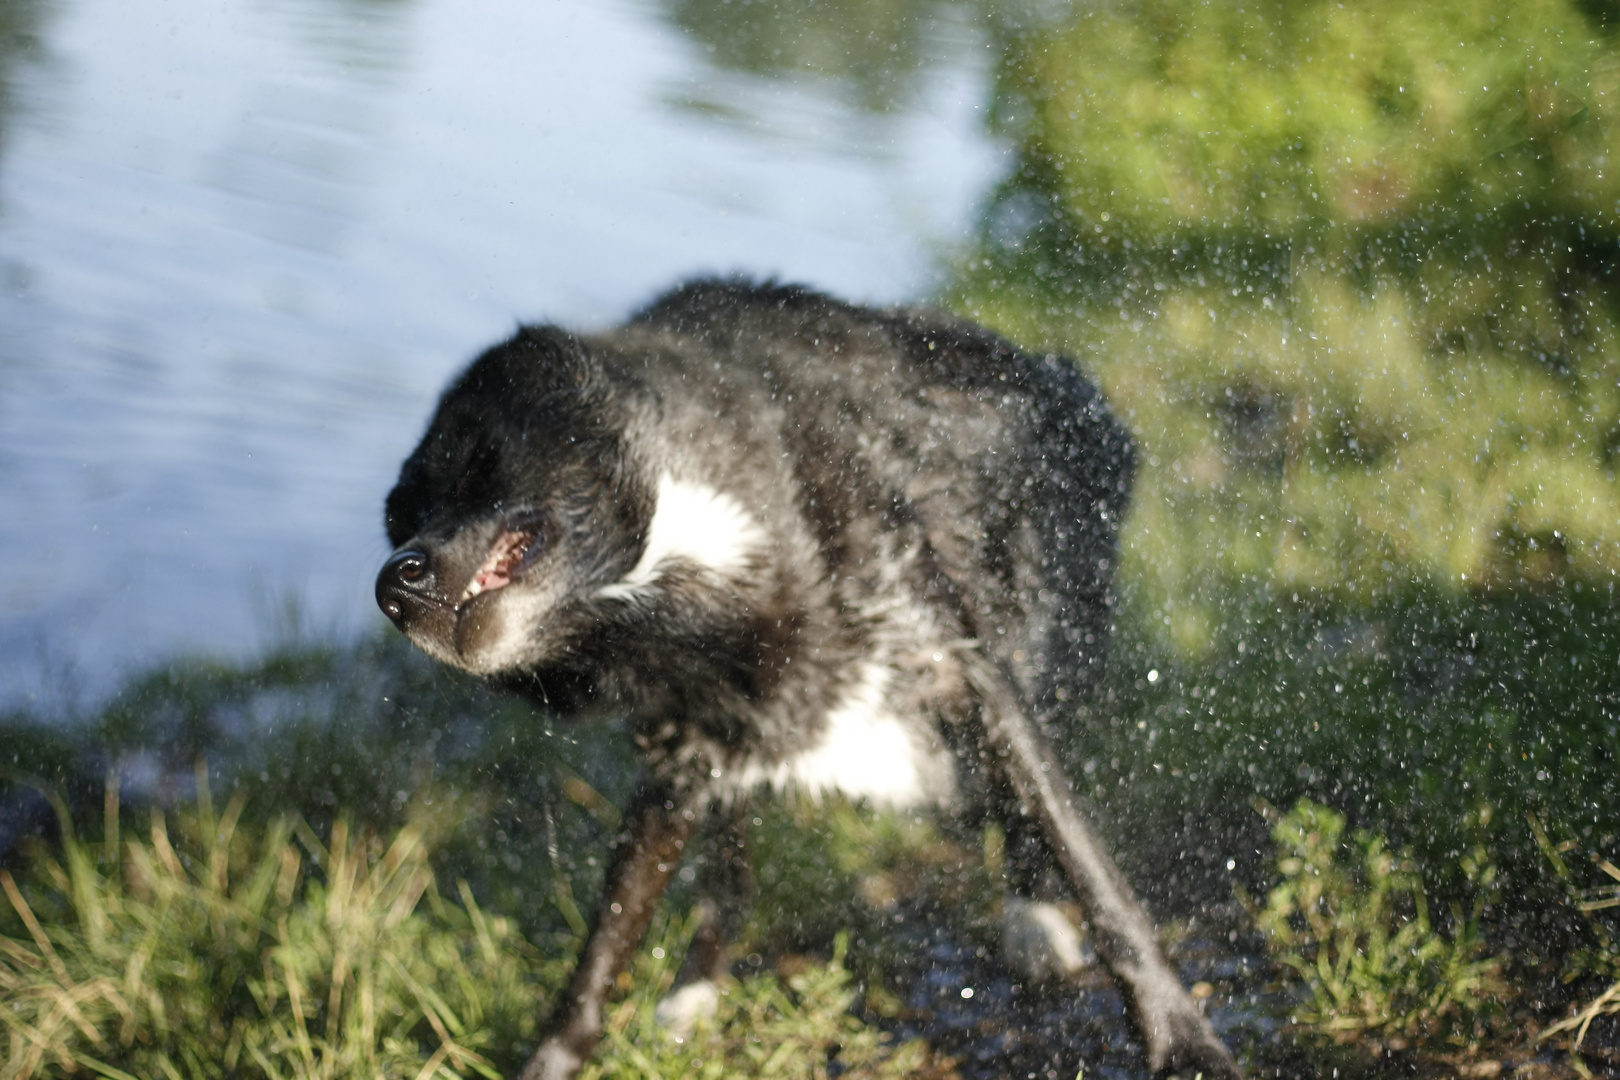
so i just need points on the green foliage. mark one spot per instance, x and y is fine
(1345, 272)
(223, 954)
(1361, 940)
(508, 802)
(1276, 116)
(1341, 438)
(227, 949)
(1438, 721)
(798, 1027)
(1358, 311)
(1602, 956)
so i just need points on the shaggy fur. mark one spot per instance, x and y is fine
(796, 544)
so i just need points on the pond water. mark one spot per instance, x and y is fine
(243, 243)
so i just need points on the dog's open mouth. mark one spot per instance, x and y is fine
(508, 557)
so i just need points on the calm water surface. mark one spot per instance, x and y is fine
(244, 243)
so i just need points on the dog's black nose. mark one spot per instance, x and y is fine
(405, 577)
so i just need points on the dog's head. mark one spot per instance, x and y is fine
(520, 500)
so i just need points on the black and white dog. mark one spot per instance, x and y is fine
(798, 545)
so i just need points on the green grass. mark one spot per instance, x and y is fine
(798, 1026)
(260, 952)
(513, 805)
(223, 948)
(1350, 920)
(1436, 724)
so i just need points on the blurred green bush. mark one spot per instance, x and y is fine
(1283, 118)
(1346, 272)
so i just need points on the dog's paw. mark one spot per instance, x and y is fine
(1039, 942)
(1208, 1064)
(681, 1010)
(1193, 1053)
(555, 1060)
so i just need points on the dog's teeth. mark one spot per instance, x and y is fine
(504, 556)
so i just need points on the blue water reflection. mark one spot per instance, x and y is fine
(242, 244)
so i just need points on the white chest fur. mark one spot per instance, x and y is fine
(694, 524)
(865, 751)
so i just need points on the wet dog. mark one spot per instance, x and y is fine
(795, 544)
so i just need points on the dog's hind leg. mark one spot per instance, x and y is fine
(1177, 1037)
(657, 827)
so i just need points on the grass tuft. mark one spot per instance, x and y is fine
(211, 946)
(219, 949)
(1360, 939)
(797, 1028)
(1601, 958)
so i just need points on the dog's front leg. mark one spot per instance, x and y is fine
(725, 884)
(658, 825)
(1177, 1037)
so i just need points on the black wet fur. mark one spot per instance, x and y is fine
(925, 500)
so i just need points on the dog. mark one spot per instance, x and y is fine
(795, 544)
